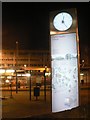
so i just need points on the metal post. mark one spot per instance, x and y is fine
(16, 82)
(16, 66)
(11, 90)
(30, 84)
(44, 85)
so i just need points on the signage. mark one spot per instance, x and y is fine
(64, 72)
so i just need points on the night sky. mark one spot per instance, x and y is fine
(28, 23)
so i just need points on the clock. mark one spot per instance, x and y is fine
(62, 21)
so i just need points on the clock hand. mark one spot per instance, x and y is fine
(65, 24)
(63, 21)
(62, 18)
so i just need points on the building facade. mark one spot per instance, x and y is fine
(22, 62)
(25, 58)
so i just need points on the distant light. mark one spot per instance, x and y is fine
(2, 71)
(28, 75)
(82, 60)
(9, 71)
(7, 81)
(19, 74)
(9, 77)
(2, 77)
(23, 75)
(47, 74)
(16, 42)
(25, 65)
(81, 74)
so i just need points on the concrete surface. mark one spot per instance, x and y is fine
(19, 106)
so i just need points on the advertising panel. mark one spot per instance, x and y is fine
(64, 72)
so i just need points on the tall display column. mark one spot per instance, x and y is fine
(64, 59)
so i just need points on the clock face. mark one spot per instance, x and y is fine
(62, 21)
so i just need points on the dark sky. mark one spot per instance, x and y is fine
(28, 23)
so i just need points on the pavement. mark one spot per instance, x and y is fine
(19, 106)
(80, 112)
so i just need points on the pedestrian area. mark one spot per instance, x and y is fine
(19, 106)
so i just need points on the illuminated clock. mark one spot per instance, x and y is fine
(62, 21)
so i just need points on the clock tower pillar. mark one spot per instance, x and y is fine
(64, 49)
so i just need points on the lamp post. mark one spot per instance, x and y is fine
(16, 82)
(29, 77)
(11, 87)
(30, 84)
(45, 83)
